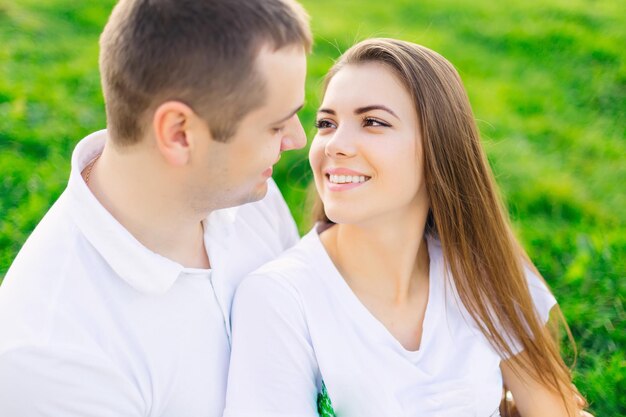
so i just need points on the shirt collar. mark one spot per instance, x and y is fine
(143, 269)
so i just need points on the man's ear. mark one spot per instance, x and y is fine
(172, 130)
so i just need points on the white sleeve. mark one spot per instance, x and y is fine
(287, 228)
(273, 371)
(38, 381)
(543, 301)
(541, 295)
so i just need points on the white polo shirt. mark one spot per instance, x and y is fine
(92, 323)
(296, 322)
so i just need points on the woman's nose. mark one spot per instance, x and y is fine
(341, 143)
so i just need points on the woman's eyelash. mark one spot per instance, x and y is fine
(367, 122)
(321, 124)
(371, 121)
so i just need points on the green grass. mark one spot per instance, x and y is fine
(547, 80)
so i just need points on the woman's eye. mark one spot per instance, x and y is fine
(372, 122)
(323, 124)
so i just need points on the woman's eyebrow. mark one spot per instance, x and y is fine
(365, 109)
(362, 110)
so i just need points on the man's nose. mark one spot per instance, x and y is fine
(294, 137)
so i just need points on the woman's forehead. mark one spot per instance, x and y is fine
(361, 85)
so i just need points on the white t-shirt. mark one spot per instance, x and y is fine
(92, 323)
(296, 322)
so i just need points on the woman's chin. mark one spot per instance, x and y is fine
(342, 216)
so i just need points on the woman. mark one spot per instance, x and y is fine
(411, 296)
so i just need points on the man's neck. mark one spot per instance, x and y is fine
(143, 198)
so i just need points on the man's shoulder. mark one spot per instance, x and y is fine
(38, 283)
(47, 247)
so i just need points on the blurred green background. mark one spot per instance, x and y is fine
(547, 80)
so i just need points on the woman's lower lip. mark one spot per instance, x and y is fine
(342, 187)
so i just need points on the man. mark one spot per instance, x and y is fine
(117, 305)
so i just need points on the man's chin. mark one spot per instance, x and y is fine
(255, 194)
(233, 199)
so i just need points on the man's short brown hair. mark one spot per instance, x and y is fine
(199, 52)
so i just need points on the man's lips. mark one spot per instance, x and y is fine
(268, 172)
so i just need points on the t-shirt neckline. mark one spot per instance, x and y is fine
(362, 314)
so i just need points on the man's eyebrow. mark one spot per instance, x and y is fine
(284, 119)
(365, 109)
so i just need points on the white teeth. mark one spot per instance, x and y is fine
(346, 179)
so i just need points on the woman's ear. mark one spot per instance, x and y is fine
(172, 124)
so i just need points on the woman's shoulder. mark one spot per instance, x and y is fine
(293, 272)
(297, 262)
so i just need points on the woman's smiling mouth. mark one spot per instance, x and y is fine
(347, 179)
(341, 179)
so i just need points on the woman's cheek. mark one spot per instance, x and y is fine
(316, 154)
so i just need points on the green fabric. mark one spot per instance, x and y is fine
(324, 405)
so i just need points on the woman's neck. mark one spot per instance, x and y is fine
(386, 258)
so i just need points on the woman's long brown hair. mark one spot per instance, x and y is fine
(484, 258)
